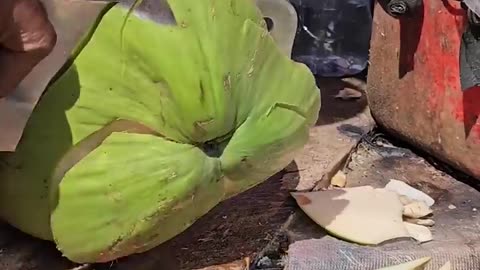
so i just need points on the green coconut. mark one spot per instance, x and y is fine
(153, 124)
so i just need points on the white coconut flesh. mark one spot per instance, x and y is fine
(419, 232)
(362, 215)
(412, 193)
(417, 209)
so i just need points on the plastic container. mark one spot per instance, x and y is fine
(333, 36)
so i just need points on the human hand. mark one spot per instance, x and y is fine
(26, 37)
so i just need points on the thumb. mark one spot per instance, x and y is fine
(26, 37)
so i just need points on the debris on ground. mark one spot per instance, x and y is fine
(265, 262)
(416, 206)
(419, 264)
(417, 209)
(243, 264)
(339, 180)
(452, 207)
(419, 232)
(412, 193)
(425, 222)
(348, 94)
(83, 267)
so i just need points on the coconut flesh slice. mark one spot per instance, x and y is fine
(412, 193)
(417, 209)
(419, 264)
(418, 232)
(424, 222)
(362, 215)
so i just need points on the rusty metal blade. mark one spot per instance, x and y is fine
(72, 20)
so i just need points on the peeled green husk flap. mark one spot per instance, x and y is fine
(153, 125)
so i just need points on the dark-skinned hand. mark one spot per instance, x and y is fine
(26, 37)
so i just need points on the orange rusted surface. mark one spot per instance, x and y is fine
(414, 83)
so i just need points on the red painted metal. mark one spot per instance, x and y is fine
(414, 83)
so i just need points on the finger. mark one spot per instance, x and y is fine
(28, 28)
(26, 37)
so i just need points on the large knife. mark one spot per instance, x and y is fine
(72, 20)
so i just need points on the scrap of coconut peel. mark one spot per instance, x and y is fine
(339, 180)
(236, 265)
(404, 189)
(418, 232)
(362, 215)
(425, 222)
(416, 209)
(419, 264)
